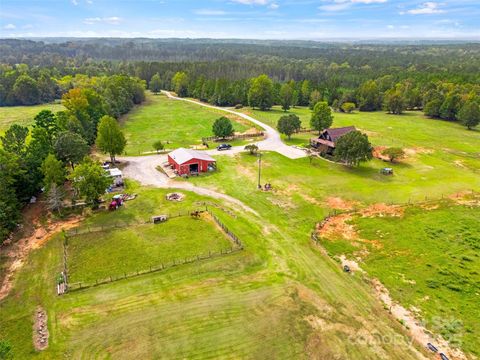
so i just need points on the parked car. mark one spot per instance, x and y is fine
(224, 147)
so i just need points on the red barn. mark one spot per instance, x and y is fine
(190, 162)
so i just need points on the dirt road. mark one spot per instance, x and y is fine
(272, 142)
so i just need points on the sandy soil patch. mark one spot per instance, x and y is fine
(417, 150)
(466, 198)
(382, 210)
(341, 204)
(377, 153)
(416, 329)
(352, 264)
(35, 237)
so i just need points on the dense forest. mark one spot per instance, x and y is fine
(34, 158)
(106, 77)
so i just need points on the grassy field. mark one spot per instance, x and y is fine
(429, 260)
(23, 115)
(257, 303)
(177, 122)
(411, 129)
(280, 297)
(98, 255)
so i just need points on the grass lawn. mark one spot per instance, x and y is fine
(410, 130)
(428, 260)
(280, 297)
(96, 256)
(179, 123)
(23, 115)
(267, 301)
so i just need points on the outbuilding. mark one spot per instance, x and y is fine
(190, 162)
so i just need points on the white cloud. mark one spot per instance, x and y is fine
(210, 12)
(391, 27)
(339, 5)
(9, 27)
(274, 6)
(89, 2)
(75, 2)
(428, 7)
(112, 20)
(252, 2)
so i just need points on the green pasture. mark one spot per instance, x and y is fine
(410, 130)
(98, 255)
(278, 298)
(176, 123)
(23, 115)
(428, 259)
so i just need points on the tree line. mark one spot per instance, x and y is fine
(36, 158)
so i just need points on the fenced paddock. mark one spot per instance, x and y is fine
(93, 256)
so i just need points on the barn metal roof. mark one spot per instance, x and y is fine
(182, 155)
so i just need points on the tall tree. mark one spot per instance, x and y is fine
(469, 114)
(370, 98)
(315, 97)
(155, 84)
(353, 148)
(394, 101)
(14, 139)
(110, 138)
(26, 91)
(47, 120)
(71, 148)
(222, 127)
(9, 204)
(286, 96)
(90, 180)
(180, 83)
(288, 124)
(53, 172)
(321, 117)
(260, 94)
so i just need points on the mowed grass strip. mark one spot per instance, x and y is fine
(428, 259)
(98, 255)
(180, 123)
(23, 115)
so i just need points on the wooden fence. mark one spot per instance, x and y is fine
(233, 137)
(163, 266)
(124, 224)
(238, 246)
(426, 201)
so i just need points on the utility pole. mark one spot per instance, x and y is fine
(259, 169)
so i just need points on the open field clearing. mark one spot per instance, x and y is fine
(179, 123)
(278, 297)
(428, 258)
(98, 255)
(23, 115)
(411, 130)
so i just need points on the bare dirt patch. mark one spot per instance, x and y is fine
(33, 236)
(40, 330)
(352, 264)
(415, 327)
(377, 153)
(382, 210)
(341, 204)
(417, 150)
(466, 198)
(175, 196)
(337, 226)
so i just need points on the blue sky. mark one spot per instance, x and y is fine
(253, 19)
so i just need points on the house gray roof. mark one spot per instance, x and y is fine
(182, 155)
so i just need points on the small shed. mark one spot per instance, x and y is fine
(190, 162)
(116, 174)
